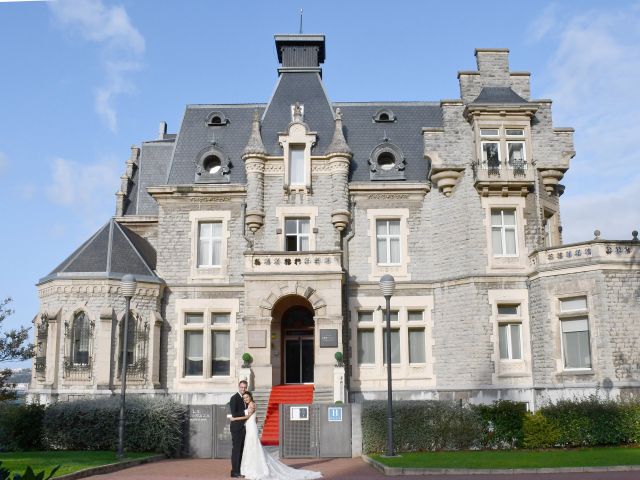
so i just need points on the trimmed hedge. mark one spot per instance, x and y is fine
(439, 425)
(420, 426)
(152, 425)
(20, 426)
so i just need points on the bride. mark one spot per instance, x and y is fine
(258, 464)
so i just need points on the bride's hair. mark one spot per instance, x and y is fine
(247, 392)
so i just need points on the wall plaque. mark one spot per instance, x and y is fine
(328, 337)
(257, 338)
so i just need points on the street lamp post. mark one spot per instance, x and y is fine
(127, 288)
(387, 285)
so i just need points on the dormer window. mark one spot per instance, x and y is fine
(383, 116)
(296, 165)
(212, 166)
(387, 162)
(217, 119)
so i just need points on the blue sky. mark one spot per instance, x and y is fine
(83, 80)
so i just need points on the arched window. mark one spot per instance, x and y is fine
(384, 116)
(137, 339)
(80, 340)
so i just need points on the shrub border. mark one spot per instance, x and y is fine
(395, 471)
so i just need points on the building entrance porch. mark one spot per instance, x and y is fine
(298, 345)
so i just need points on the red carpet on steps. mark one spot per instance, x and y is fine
(288, 394)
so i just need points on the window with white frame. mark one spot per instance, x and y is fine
(576, 344)
(366, 346)
(216, 353)
(417, 345)
(297, 174)
(503, 232)
(209, 244)
(549, 227)
(498, 142)
(388, 241)
(510, 331)
(296, 234)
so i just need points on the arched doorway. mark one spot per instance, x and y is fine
(297, 345)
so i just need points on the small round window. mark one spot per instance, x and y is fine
(212, 164)
(216, 120)
(386, 160)
(384, 117)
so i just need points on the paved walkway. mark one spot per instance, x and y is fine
(332, 468)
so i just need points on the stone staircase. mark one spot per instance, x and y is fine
(261, 397)
(323, 396)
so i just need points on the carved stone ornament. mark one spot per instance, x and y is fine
(551, 181)
(446, 178)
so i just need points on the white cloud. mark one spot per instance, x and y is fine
(88, 189)
(4, 163)
(122, 43)
(591, 77)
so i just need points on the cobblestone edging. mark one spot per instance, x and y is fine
(110, 468)
(395, 471)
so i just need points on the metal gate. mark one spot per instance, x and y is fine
(315, 430)
(208, 434)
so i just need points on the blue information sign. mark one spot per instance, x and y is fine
(335, 414)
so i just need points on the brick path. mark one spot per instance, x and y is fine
(332, 468)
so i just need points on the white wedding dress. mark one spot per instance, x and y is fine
(257, 464)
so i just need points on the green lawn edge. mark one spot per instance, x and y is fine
(508, 459)
(69, 461)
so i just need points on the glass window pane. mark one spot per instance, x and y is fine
(290, 226)
(394, 227)
(304, 225)
(508, 309)
(190, 318)
(516, 153)
(516, 352)
(569, 304)
(217, 318)
(515, 132)
(575, 325)
(489, 132)
(510, 238)
(504, 341)
(220, 359)
(304, 244)
(381, 227)
(496, 241)
(296, 164)
(204, 252)
(216, 252)
(509, 217)
(395, 346)
(395, 250)
(416, 346)
(366, 346)
(496, 217)
(216, 229)
(394, 316)
(365, 316)
(291, 243)
(193, 353)
(205, 230)
(382, 250)
(415, 315)
(490, 153)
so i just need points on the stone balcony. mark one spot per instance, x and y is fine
(293, 262)
(623, 252)
(503, 179)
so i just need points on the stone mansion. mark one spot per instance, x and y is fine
(264, 229)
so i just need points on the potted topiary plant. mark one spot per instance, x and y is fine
(339, 359)
(246, 359)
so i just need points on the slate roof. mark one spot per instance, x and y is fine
(153, 165)
(112, 252)
(498, 95)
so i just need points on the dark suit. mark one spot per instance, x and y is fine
(237, 406)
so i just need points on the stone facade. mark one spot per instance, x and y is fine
(486, 295)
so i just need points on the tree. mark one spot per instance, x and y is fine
(13, 346)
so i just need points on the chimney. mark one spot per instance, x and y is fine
(162, 130)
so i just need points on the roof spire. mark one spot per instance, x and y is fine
(339, 143)
(301, 12)
(255, 145)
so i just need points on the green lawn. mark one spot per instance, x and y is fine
(69, 462)
(579, 457)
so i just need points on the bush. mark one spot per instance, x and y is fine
(587, 422)
(152, 424)
(21, 427)
(539, 431)
(502, 423)
(421, 425)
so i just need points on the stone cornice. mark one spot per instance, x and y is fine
(95, 286)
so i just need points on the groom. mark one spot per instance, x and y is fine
(237, 407)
